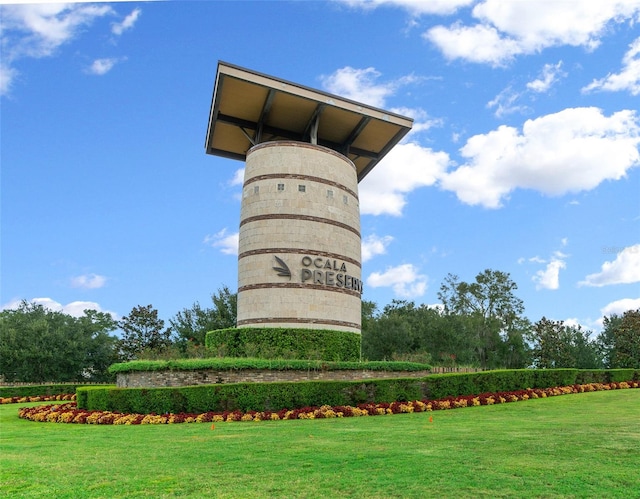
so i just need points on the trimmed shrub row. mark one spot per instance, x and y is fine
(39, 390)
(277, 396)
(230, 364)
(287, 343)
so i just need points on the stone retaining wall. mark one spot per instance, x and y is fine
(156, 379)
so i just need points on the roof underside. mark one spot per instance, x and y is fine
(249, 108)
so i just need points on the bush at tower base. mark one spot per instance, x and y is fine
(285, 343)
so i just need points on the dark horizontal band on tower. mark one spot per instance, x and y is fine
(297, 320)
(295, 176)
(306, 218)
(300, 251)
(298, 285)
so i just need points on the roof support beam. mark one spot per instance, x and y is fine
(312, 125)
(264, 115)
(354, 134)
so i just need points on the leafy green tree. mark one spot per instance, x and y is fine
(492, 312)
(38, 345)
(621, 340)
(557, 345)
(386, 338)
(192, 324)
(143, 334)
(606, 341)
(408, 332)
(515, 352)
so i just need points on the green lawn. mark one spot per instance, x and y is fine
(584, 445)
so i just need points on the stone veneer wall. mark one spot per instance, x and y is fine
(156, 379)
(299, 205)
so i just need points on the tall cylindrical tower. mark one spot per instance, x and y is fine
(299, 243)
(299, 270)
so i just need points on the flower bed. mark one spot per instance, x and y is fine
(37, 398)
(69, 413)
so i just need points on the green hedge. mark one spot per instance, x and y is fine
(230, 364)
(291, 395)
(291, 343)
(247, 396)
(39, 390)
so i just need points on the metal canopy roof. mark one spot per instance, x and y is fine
(249, 108)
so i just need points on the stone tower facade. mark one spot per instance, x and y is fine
(299, 262)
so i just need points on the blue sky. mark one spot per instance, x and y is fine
(524, 155)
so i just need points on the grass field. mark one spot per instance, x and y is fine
(583, 445)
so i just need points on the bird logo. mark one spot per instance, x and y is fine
(283, 269)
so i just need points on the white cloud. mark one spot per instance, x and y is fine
(75, 308)
(406, 168)
(7, 78)
(625, 269)
(505, 103)
(421, 120)
(416, 7)
(373, 245)
(358, 85)
(619, 307)
(570, 151)
(39, 29)
(228, 243)
(508, 29)
(88, 281)
(103, 66)
(551, 73)
(549, 278)
(361, 85)
(405, 280)
(238, 177)
(627, 79)
(481, 44)
(127, 23)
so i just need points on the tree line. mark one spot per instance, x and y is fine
(479, 323)
(482, 324)
(41, 345)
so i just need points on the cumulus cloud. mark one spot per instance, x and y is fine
(625, 269)
(481, 44)
(405, 280)
(374, 245)
(228, 243)
(627, 79)
(75, 308)
(619, 307)
(507, 29)
(549, 278)
(359, 85)
(550, 74)
(127, 23)
(406, 168)
(38, 30)
(88, 281)
(100, 67)
(570, 151)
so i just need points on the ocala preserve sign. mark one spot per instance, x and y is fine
(321, 271)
